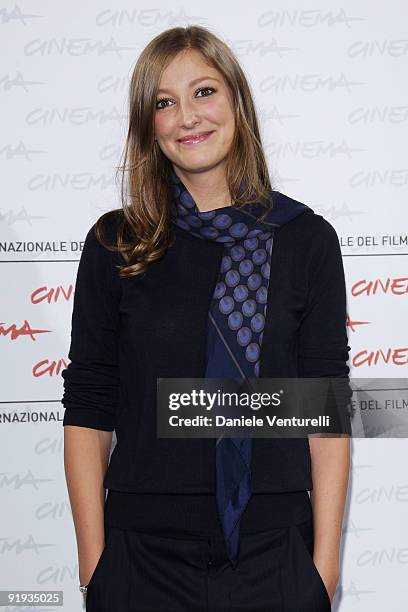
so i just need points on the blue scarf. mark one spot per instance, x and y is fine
(235, 324)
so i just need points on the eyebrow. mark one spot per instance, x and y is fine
(205, 78)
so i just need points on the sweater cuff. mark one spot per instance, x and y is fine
(89, 418)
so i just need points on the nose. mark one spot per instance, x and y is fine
(189, 115)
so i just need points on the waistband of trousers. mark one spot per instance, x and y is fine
(196, 515)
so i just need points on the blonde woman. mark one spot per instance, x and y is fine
(205, 271)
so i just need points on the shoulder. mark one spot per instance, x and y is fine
(99, 257)
(105, 229)
(101, 239)
(308, 228)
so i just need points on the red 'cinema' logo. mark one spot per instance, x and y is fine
(352, 324)
(25, 330)
(394, 356)
(14, 332)
(50, 368)
(52, 294)
(390, 355)
(396, 286)
(42, 294)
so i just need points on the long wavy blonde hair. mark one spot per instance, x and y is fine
(143, 223)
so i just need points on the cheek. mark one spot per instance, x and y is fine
(219, 112)
(162, 125)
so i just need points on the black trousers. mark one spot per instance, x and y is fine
(140, 571)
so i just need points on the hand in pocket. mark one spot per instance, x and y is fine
(329, 576)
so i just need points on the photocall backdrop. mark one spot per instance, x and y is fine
(329, 81)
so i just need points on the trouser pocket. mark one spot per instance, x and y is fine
(109, 581)
(142, 572)
(101, 560)
(303, 586)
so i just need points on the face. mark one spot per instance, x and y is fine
(194, 104)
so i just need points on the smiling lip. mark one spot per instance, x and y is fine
(194, 138)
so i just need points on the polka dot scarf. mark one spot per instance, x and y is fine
(236, 323)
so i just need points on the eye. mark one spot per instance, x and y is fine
(160, 101)
(205, 89)
(200, 89)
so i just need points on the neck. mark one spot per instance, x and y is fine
(208, 189)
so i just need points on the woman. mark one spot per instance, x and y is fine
(205, 272)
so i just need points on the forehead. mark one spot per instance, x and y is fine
(186, 66)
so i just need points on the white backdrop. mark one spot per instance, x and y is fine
(329, 85)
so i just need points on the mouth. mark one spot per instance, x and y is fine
(194, 138)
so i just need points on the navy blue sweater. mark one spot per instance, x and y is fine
(128, 332)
